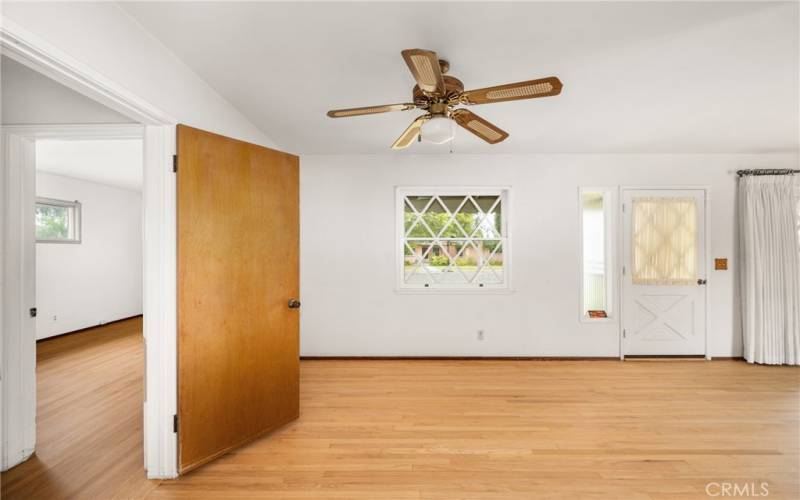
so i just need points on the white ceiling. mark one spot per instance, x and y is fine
(29, 97)
(112, 162)
(639, 77)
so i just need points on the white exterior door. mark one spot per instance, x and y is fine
(664, 256)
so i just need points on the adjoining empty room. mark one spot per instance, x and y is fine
(88, 233)
(400, 250)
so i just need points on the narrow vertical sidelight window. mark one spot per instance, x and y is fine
(598, 252)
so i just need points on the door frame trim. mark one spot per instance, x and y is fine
(621, 261)
(158, 199)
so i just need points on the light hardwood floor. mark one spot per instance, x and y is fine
(435, 430)
(89, 430)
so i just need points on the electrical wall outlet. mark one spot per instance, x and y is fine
(480, 334)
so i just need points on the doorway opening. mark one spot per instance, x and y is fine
(105, 112)
(82, 248)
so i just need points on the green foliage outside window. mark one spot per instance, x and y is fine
(440, 260)
(436, 222)
(52, 222)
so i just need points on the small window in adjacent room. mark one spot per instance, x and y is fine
(596, 206)
(452, 239)
(58, 221)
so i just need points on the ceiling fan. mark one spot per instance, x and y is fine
(439, 93)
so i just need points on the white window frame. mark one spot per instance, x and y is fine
(610, 223)
(401, 192)
(75, 222)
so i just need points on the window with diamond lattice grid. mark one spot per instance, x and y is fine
(453, 240)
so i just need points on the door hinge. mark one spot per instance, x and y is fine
(624, 333)
(175, 424)
(623, 270)
(174, 163)
(623, 207)
(33, 312)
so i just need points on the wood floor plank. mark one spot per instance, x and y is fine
(89, 429)
(437, 430)
(520, 429)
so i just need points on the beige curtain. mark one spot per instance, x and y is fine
(664, 241)
(769, 266)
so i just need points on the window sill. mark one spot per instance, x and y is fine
(443, 291)
(60, 242)
(589, 321)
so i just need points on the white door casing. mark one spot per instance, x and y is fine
(663, 317)
(18, 429)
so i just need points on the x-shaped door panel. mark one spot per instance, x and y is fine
(664, 317)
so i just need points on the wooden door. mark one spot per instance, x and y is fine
(238, 269)
(664, 301)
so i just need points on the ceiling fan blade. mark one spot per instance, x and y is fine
(530, 89)
(410, 134)
(478, 126)
(370, 110)
(424, 65)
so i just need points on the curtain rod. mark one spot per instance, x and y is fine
(768, 171)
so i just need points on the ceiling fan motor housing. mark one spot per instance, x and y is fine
(439, 109)
(453, 87)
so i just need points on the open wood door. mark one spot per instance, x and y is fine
(238, 273)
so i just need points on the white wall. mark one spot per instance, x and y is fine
(103, 37)
(348, 251)
(100, 279)
(32, 98)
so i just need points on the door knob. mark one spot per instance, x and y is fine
(294, 304)
(701, 282)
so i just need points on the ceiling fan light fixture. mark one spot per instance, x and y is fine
(438, 130)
